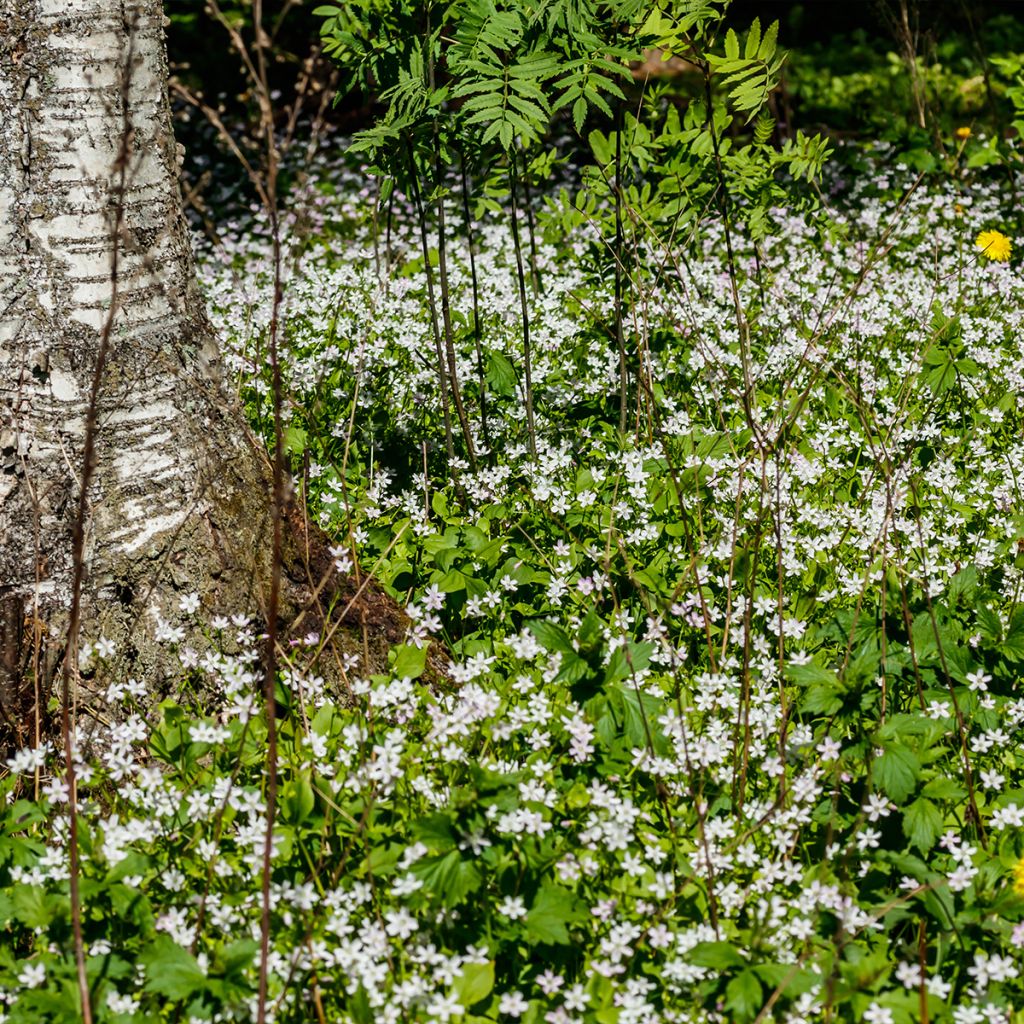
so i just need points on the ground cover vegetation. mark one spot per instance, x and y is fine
(696, 446)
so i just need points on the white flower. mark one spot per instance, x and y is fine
(512, 907)
(878, 807)
(28, 759)
(513, 1004)
(876, 1014)
(203, 732)
(118, 1003)
(342, 558)
(32, 975)
(978, 680)
(400, 924)
(909, 974)
(1010, 815)
(443, 1008)
(829, 749)
(549, 982)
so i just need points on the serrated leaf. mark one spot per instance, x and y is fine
(237, 957)
(551, 636)
(753, 39)
(922, 824)
(447, 877)
(32, 906)
(501, 375)
(766, 50)
(170, 970)
(552, 910)
(435, 830)
(943, 788)
(294, 439)
(579, 114)
(896, 772)
(743, 995)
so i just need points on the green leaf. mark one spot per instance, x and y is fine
(552, 637)
(453, 581)
(554, 907)
(435, 830)
(1013, 644)
(410, 661)
(32, 906)
(237, 957)
(573, 669)
(297, 800)
(501, 375)
(579, 114)
(743, 995)
(475, 983)
(944, 788)
(641, 712)
(717, 955)
(170, 970)
(753, 39)
(896, 772)
(766, 51)
(922, 823)
(448, 877)
(809, 674)
(294, 439)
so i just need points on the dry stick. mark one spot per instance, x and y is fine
(531, 229)
(446, 315)
(260, 82)
(78, 529)
(957, 711)
(37, 636)
(530, 427)
(922, 960)
(908, 40)
(376, 226)
(741, 321)
(266, 187)
(619, 341)
(468, 217)
(442, 383)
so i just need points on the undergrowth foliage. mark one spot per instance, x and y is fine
(708, 484)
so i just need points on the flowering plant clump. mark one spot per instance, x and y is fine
(994, 245)
(731, 727)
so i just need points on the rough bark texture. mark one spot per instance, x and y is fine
(179, 500)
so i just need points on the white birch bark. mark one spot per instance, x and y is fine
(179, 498)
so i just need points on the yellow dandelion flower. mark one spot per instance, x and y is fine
(994, 245)
(963, 133)
(1018, 877)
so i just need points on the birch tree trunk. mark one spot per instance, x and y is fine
(94, 246)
